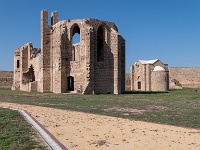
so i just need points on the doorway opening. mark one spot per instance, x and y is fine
(139, 85)
(70, 81)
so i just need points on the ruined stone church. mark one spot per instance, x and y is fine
(95, 64)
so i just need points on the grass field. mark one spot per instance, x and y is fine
(16, 133)
(177, 107)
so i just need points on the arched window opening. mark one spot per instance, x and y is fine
(139, 85)
(75, 40)
(70, 85)
(76, 35)
(100, 44)
(37, 54)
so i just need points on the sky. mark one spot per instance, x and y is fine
(168, 30)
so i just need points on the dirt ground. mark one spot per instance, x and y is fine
(82, 131)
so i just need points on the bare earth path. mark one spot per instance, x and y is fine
(82, 131)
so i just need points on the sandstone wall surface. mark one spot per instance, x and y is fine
(187, 77)
(6, 79)
(95, 63)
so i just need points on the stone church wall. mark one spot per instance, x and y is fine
(95, 64)
(186, 77)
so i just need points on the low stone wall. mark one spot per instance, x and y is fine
(6, 79)
(187, 77)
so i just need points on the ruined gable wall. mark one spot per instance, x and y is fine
(63, 64)
(55, 64)
(24, 66)
(80, 64)
(21, 66)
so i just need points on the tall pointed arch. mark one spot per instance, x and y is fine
(100, 44)
(75, 34)
(75, 40)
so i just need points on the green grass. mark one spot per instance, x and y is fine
(16, 133)
(177, 107)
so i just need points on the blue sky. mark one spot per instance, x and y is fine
(165, 29)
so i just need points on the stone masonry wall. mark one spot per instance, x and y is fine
(187, 77)
(141, 74)
(6, 79)
(95, 64)
(159, 81)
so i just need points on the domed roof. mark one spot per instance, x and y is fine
(158, 68)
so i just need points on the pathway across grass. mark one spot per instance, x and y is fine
(177, 107)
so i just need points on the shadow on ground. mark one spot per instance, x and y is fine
(142, 92)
